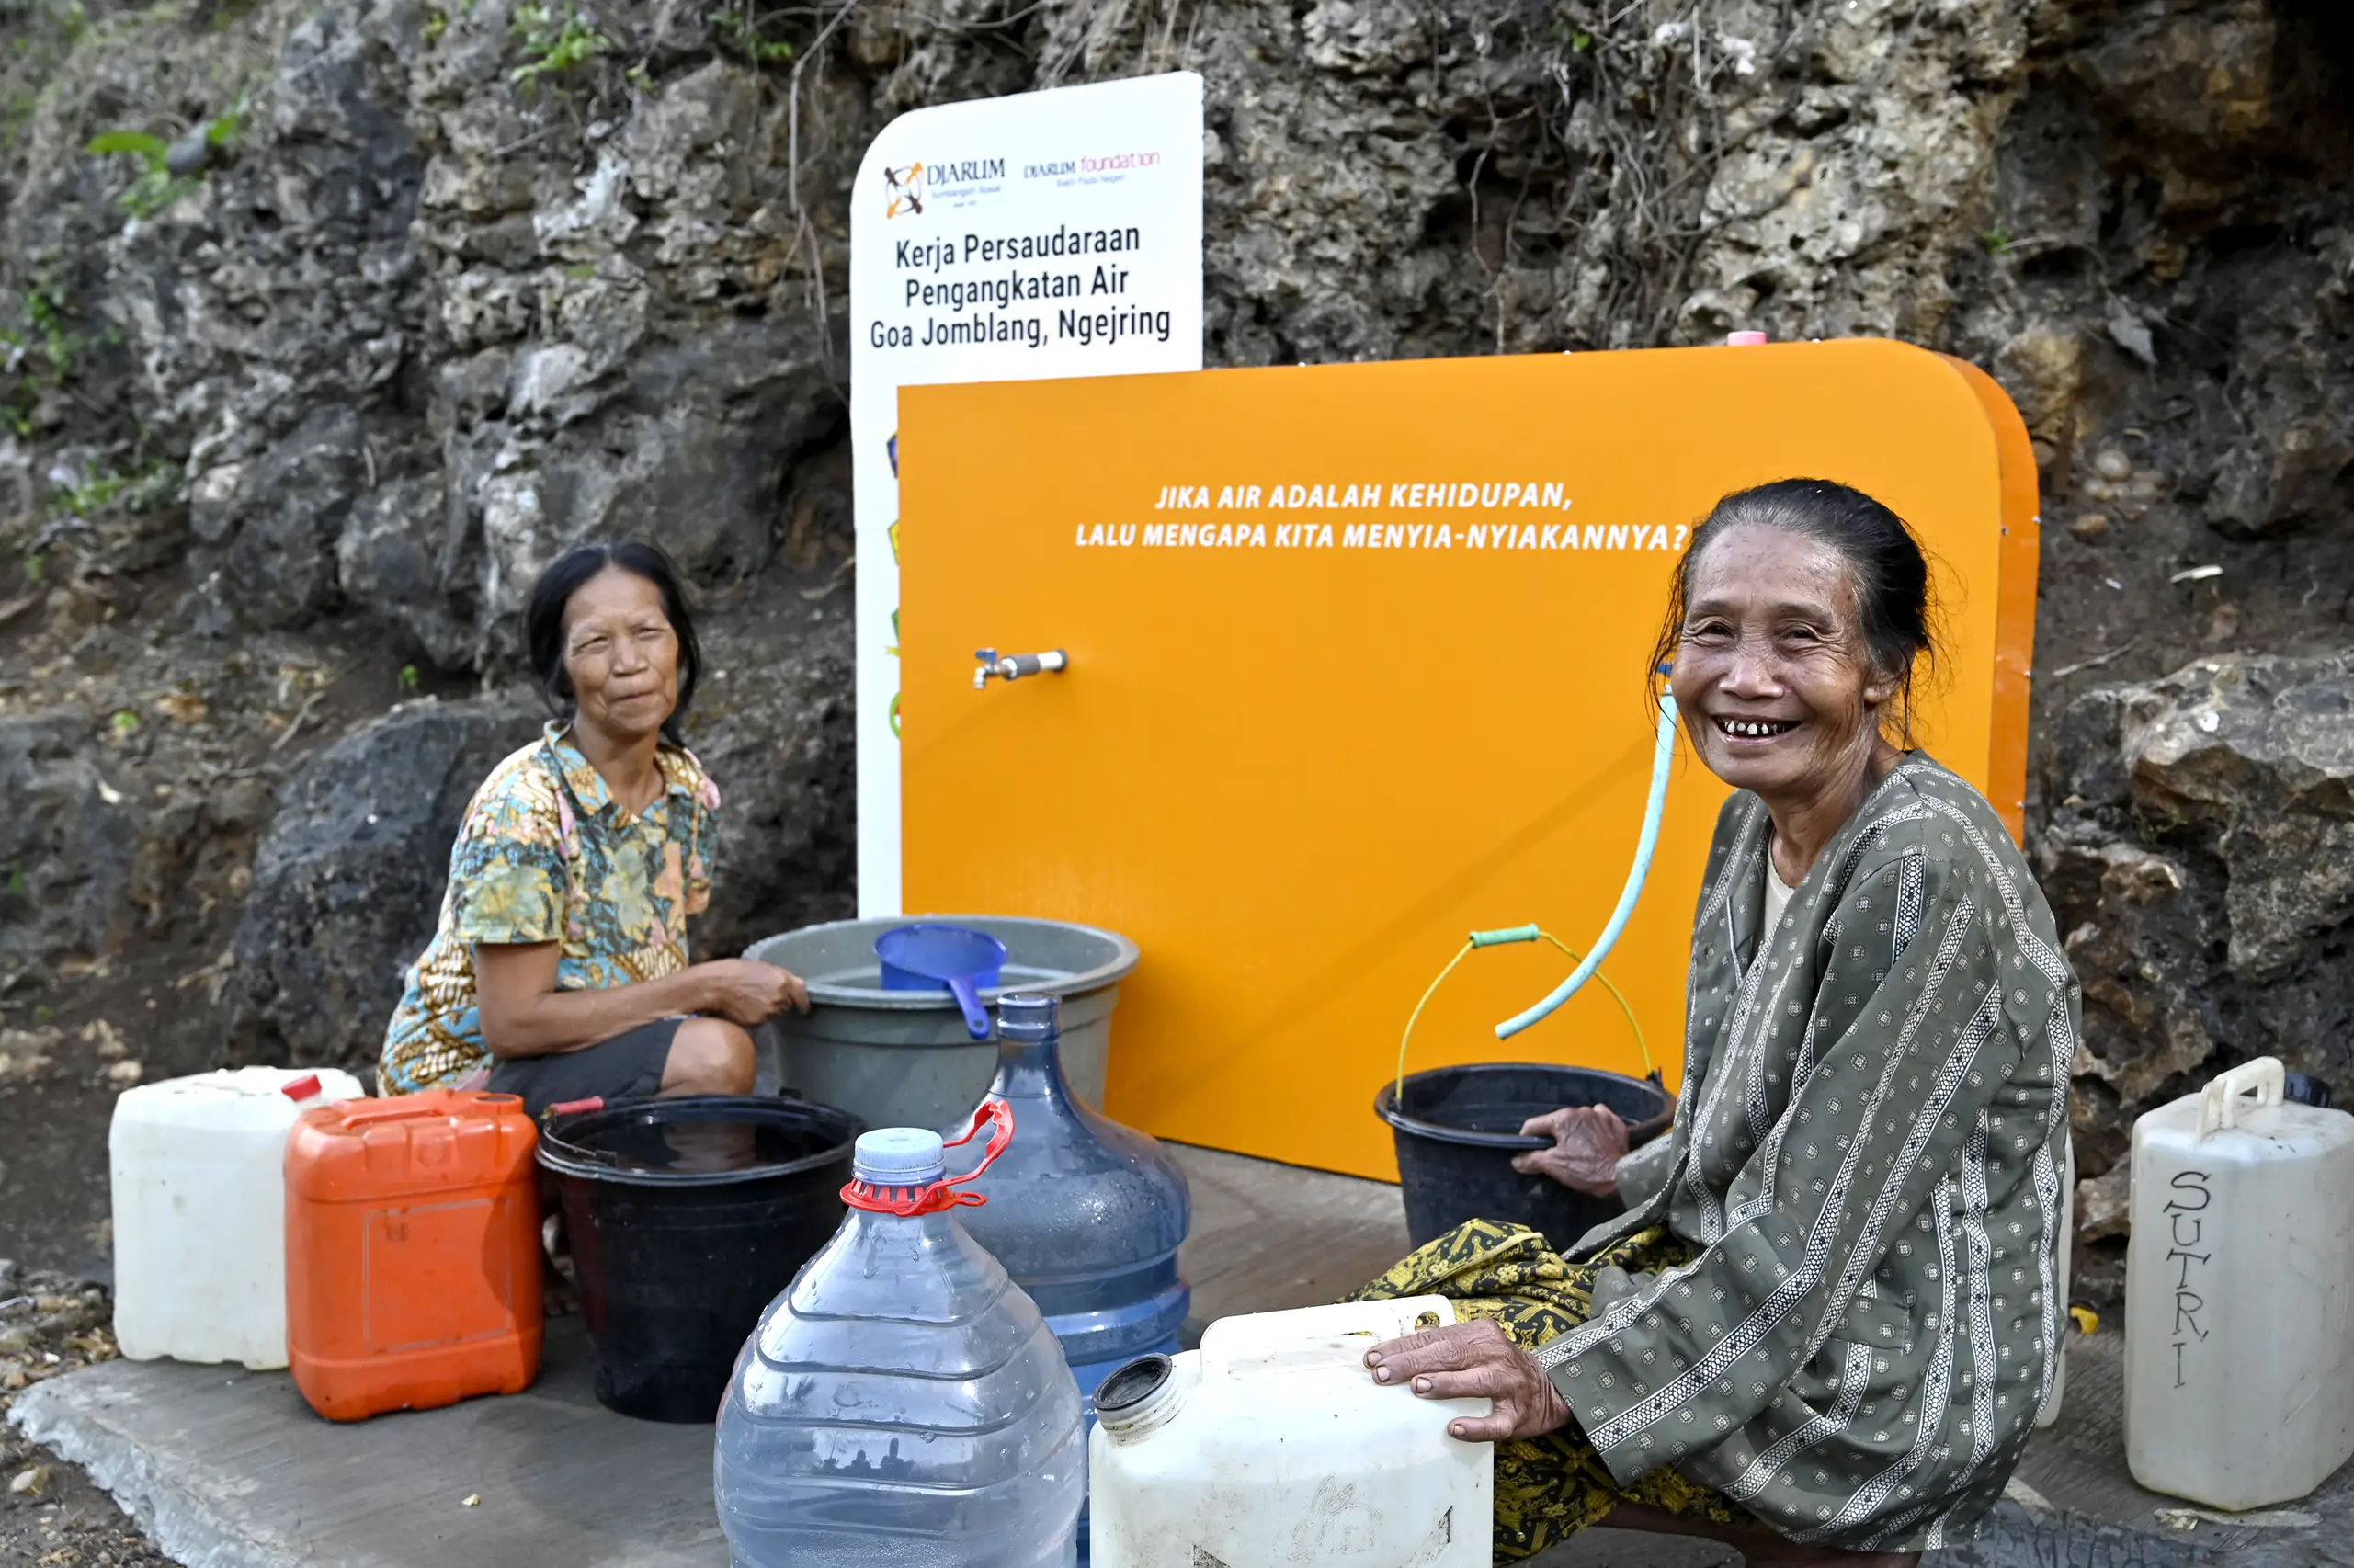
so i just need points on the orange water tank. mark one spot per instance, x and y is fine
(411, 1252)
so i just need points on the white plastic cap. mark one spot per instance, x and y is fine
(1744, 339)
(899, 1156)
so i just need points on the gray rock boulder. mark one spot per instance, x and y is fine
(2201, 857)
(347, 883)
(272, 315)
(772, 724)
(282, 514)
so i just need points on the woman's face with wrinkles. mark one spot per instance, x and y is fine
(621, 655)
(1776, 687)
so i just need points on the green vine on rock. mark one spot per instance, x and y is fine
(38, 354)
(741, 28)
(157, 184)
(155, 188)
(553, 41)
(143, 489)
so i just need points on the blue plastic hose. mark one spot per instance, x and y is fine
(1653, 810)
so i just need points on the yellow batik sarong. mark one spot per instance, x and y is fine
(1547, 1488)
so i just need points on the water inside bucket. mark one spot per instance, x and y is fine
(716, 1144)
(687, 1216)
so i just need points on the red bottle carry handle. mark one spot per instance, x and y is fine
(938, 1197)
(992, 1109)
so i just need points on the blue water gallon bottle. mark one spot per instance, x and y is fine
(902, 1402)
(1086, 1214)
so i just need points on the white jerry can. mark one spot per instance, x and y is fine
(198, 1167)
(2239, 1294)
(1273, 1444)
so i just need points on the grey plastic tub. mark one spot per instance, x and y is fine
(902, 1058)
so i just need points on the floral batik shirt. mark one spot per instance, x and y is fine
(546, 855)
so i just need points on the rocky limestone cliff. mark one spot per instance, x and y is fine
(404, 297)
(2203, 846)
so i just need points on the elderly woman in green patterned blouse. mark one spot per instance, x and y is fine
(1825, 1333)
(560, 970)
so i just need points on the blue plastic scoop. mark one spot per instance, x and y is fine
(927, 958)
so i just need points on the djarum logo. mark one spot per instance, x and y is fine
(904, 187)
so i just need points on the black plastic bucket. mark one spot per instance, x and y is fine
(687, 1217)
(1460, 1126)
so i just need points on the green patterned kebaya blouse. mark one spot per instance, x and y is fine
(1869, 1149)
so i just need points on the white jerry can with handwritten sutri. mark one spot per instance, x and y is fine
(2239, 1294)
(1272, 1444)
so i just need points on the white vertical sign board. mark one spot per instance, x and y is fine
(1055, 233)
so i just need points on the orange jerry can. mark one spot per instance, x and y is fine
(411, 1252)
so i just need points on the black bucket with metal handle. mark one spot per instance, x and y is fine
(1456, 1129)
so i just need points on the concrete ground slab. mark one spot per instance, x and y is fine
(228, 1469)
(1268, 1236)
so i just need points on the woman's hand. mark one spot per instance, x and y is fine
(1474, 1360)
(747, 991)
(1588, 1142)
(523, 1015)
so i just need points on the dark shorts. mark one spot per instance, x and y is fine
(627, 1067)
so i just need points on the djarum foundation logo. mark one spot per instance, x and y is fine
(903, 186)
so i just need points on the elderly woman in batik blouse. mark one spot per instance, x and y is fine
(1824, 1333)
(560, 970)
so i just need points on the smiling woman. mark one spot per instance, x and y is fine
(1795, 632)
(560, 970)
(1824, 1334)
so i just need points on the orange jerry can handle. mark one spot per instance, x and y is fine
(405, 1107)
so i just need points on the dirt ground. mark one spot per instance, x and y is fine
(53, 1177)
(51, 1516)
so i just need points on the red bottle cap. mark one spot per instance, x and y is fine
(300, 1088)
(939, 1196)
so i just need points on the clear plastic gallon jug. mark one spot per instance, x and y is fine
(2239, 1294)
(198, 1169)
(1273, 1444)
(903, 1404)
(1086, 1214)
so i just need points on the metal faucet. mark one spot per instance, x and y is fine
(1013, 667)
